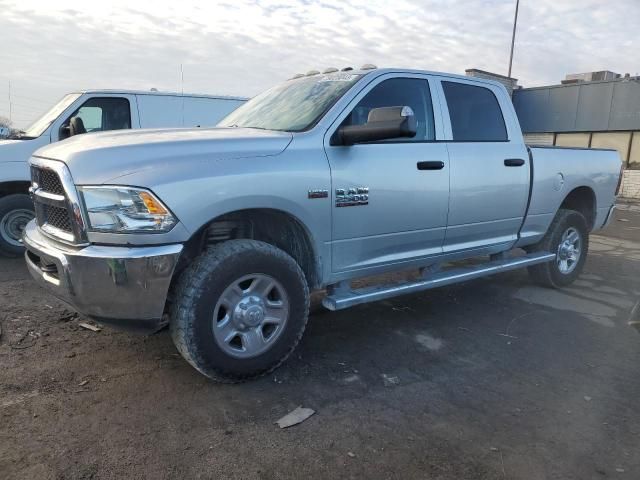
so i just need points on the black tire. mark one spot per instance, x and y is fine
(197, 293)
(12, 213)
(549, 274)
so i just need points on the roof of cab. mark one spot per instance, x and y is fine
(381, 71)
(155, 93)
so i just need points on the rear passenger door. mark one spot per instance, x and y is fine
(489, 166)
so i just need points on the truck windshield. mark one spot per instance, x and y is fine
(292, 106)
(39, 126)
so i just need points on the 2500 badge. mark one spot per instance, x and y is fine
(352, 196)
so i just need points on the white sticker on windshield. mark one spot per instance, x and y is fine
(338, 77)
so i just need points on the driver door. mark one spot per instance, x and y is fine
(99, 114)
(396, 191)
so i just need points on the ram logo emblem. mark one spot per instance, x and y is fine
(352, 196)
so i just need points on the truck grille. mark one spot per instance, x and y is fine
(52, 203)
(58, 217)
(48, 180)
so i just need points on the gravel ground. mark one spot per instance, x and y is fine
(490, 379)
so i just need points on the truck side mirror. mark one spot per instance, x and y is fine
(383, 123)
(64, 132)
(75, 126)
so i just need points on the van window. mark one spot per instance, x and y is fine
(399, 92)
(100, 114)
(475, 113)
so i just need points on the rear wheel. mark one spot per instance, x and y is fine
(15, 212)
(568, 238)
(239, 311)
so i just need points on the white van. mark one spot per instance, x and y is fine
(85, 112)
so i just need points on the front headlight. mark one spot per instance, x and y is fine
(116, 209)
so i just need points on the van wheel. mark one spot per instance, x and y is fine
(568, 238)
(15, 212)
(240, 310)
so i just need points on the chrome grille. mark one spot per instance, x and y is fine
(48, 180)
(58, 217)
(54, 199)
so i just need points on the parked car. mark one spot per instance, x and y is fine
(222, 233)
(86, 112)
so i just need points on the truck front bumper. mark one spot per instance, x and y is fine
(123, 286)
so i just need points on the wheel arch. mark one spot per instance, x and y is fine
(277, 227)
(582, 199)
(15, 186)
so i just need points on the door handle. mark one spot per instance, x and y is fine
(513, 162)
(436, 165)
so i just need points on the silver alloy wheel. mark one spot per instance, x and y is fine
(12, 224)
(569, 251)
(250, 315)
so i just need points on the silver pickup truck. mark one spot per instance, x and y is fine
(326, 178)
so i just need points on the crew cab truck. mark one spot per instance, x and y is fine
(222, 233)
(85, 112)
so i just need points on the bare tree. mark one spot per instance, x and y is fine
(6, 128)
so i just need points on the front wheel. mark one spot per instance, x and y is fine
(16, 211)
(239, 311)
(568, 238)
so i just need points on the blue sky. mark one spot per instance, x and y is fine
(240, 47)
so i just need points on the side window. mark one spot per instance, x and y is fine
(475, 113)
(91, 117)
(397, 92)
(104, 113)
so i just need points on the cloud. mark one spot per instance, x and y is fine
(241, 47)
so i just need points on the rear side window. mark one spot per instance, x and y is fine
(475, 113)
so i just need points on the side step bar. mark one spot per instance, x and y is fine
(342, 298)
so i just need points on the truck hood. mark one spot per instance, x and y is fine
(18, 150)
(102, 157)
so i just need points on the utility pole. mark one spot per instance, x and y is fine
(182, 90)
(513, 37)
(181, 79)
(10, 106)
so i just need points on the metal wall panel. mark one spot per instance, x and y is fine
(586, 107)
(531, 107)
(563, 105)
(539, 138)
(634, 154)
(594, 104)
(573, 140)
(625, 109)
(617, 140)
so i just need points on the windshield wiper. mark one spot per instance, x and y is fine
(235, 125)
(20, 136)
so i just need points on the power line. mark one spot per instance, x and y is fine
(24, 107)
(31, 102)
(25, 97)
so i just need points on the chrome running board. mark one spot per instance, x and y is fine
(342, 296)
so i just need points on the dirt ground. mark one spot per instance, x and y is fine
(491, 379)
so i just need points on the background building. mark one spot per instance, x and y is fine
(509, 82)
(583, 112)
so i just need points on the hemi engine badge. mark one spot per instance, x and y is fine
(318, 193)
